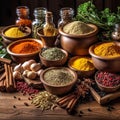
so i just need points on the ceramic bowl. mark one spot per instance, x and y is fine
(48, 41)
(58, 89)
(20, 58)
(78, 44)
(81, 73)
(109, 64)
(106, 88)
(54, 63)
(7, 40)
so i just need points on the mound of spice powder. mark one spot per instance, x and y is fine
(108, 79)
(14, 32)
(53, 54)
(26, 47)
(58, 77)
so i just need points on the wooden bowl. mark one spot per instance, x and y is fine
(109, 64)
(48, 41)
(58, 89)
(20, 58)
(78, 44)
(54, 63)
(7, 40)
(106, 88)
(81, 73)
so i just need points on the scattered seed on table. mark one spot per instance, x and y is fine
(108, 109)
(26, 104)
(14, 106)
(80, 115)
(89, 110)
(15, 97)
(81, 112)
(19, 98)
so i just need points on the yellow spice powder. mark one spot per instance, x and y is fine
(83, 64)
(14, 32)
(109, 49)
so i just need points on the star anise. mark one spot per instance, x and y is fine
(23, 28)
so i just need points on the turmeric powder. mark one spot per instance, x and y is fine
(82, 63)
(14, 32)
(26, 47)
(109, 49)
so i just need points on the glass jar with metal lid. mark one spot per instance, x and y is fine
(37, 23)
(66, 14)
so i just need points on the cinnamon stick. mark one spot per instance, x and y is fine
(2, 85)
(14, 83)
(2, 76)
(72, 105)
(5, 60)
(66, 99)
(64, 105)
(60, 99)
(7, 75)
(10, 83)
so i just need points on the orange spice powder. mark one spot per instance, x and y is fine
(26, 47)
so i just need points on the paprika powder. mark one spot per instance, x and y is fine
(26, 47)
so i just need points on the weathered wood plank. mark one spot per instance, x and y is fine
(22, 112)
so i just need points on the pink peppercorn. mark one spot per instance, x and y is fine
(108, 79)
(25, 88)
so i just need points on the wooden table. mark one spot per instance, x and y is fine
(22, 112)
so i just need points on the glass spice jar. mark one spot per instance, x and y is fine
(49, 26)
(37, 23)
(23, 16)
(116, 32)
(66, 14)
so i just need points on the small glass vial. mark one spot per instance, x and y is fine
(66, 14)
(49, 27)
(37, 23)
(23, 16)
(116, 32)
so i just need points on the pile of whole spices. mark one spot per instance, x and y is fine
(44, 100)
(108, 79)
(69, 101)
(25, 88)
(58, 77)
(53, 54)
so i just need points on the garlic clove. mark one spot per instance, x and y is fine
(31, 75)
(18, 68)
(25, 73)
(17, 75)
(35, 67)
(39, 72)
(26, 65)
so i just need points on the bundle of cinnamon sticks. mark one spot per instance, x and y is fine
(7, 83)
(69, 101)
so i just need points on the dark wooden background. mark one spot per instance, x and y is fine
(8, 7)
